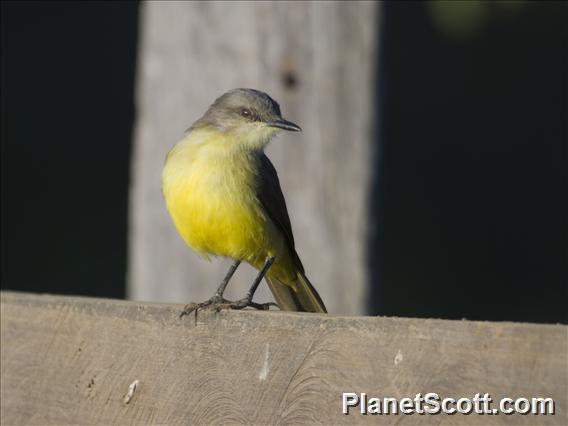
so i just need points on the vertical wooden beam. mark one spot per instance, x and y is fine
(317, 60)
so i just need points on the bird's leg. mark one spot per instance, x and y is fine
(217, 302)
(228, 276)
(247, 301)
(217, 299)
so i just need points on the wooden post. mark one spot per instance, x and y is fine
(317, 60)
(70, 361)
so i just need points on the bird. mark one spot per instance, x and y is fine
(224, 198)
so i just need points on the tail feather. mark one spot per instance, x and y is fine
(304, 299)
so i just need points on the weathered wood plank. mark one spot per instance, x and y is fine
(192, 52)
(68, 360)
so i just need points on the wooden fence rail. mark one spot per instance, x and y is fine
(70, 360)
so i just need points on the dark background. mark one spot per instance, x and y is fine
(471, 171)
(67, 114)
(472, 183)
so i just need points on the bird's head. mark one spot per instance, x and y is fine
(247, 116)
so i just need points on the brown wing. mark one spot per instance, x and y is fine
(303, 296)
(271, 197)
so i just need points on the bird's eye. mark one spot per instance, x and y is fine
(246, 113)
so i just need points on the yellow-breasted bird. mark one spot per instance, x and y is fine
(224, 197)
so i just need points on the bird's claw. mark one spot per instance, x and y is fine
(208, 304)
(246, 303)
(218, 303)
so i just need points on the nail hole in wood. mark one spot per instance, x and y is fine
(289, 80)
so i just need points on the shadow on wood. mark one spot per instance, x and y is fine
(68, 360)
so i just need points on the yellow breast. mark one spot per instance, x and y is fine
(210, 196)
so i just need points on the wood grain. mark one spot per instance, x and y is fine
(68, 360)
(192, 52)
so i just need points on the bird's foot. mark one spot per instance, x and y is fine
(208, 304)
(247, 303)
(218, 303)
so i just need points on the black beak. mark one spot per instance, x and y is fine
(285, 125)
